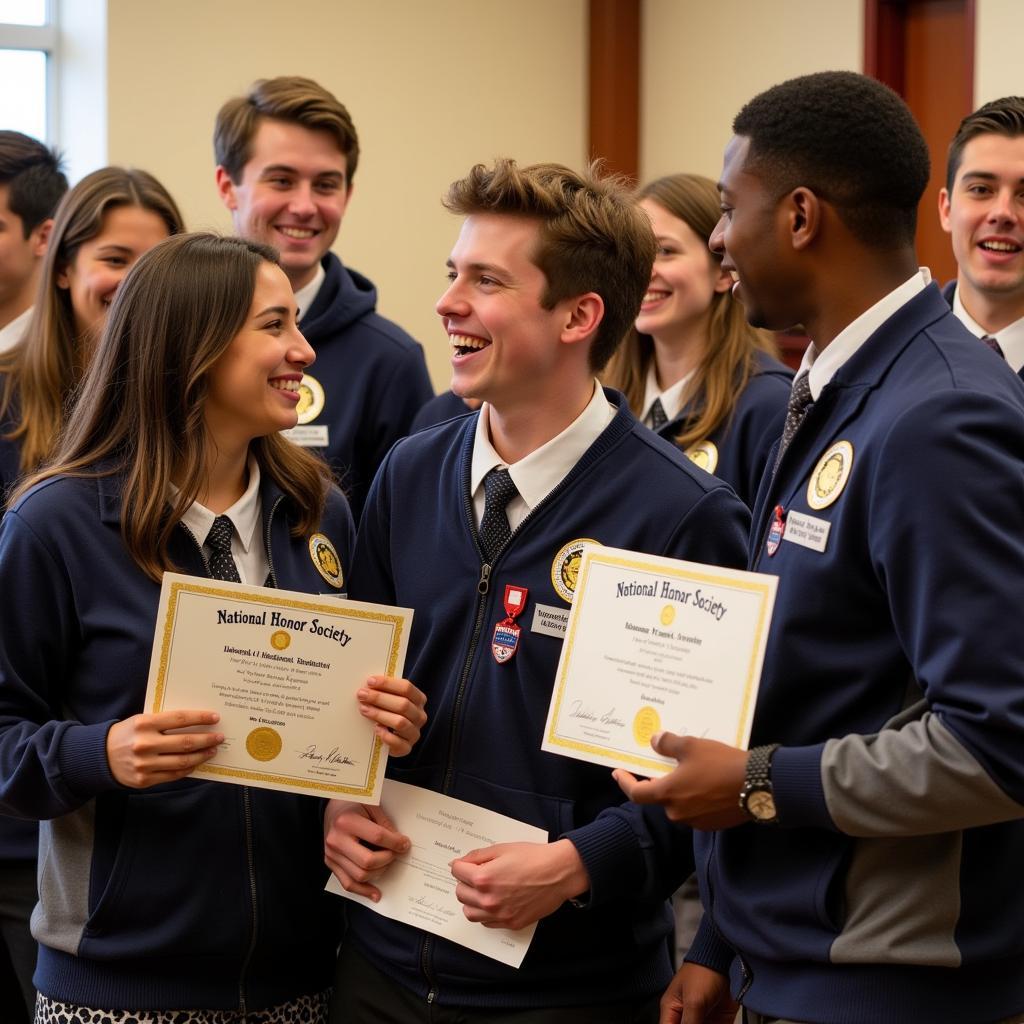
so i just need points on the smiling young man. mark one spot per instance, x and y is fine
(286, 156)
(31, 186)
(874, 873)
(546, 276)
(982, 208)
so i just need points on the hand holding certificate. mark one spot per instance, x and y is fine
(282, 670)
(657, 644)
(418, 886)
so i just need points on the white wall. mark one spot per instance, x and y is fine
(998, 31)
(433, 87)
(702, 61)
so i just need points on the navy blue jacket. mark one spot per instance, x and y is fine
(189, 894)
(440, 408)
(373, 376)
(418, 547)
(737, 450)
(894, 679)
(948, 291)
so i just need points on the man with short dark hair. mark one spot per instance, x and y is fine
(31, 186)
(862, 862)
(286, 156)
(546, 276)
(982, 208)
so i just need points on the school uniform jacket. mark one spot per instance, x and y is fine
(948, 291)
(184, 895)
(418, 547)
(737, 450)
(371, 374)
(894, 680)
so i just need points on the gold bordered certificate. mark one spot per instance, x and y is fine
(657, 644)
(418, 887)
(282, 669)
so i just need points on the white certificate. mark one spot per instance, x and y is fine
(418, 887)
(281, 669)
(657, 644)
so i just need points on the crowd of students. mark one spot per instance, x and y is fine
(205, 404)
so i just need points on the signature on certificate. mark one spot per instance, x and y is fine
(333, 756)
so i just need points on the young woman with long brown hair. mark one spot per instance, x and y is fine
(102, 226)
(693, 369)
(161, 896)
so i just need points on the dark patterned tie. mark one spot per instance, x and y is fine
(222, 565)
(657, 415)
(800, 402)
(499, 490)
(993, 344)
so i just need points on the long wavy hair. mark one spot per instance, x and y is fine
(140, 412)
(729, 355)
(43, 369)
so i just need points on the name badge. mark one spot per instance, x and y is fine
(312, 436)
(807, 531)
(550, 620)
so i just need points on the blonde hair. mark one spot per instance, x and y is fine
(42, 370)
(729, 357)
(140, 411)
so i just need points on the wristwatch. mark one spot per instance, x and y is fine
(756, 795)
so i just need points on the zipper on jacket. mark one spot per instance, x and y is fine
(748, 978)
(251, 862)
(266, 541)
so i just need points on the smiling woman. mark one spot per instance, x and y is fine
(103, 225)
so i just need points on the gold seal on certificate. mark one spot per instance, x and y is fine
(656, 644)
(281, 669)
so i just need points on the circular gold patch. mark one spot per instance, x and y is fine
(830, 475)
(565, 569)
(704, 454)
(280, 640)
(325, 558)
(645, 725)
(668, 615)
(263, 744)
(311, 399)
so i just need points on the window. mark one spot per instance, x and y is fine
(28, 41)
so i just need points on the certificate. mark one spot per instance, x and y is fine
(281, 669)
(418, 887)
(652, 644)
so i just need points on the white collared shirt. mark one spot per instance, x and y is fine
(10, 334)
(248, 547)
(306, 295)
(823, 366)
(540, 472)
(671, 398)
(1010, 338)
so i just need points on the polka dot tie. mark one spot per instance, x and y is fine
(499, 490)
(657, 415)
(800, 402)
(218, 540)
(994, 345)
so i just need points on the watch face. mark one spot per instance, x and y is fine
(761, 805)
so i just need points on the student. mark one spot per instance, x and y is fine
(286, 158)
(161, 894)
(876, 876)
(31, 184)
(440, 408)
(103, 225)
(693, 369)
(982, 208)
(546, 276)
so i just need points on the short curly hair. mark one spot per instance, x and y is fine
(1004, 116)
(593, 237)
(849, 139)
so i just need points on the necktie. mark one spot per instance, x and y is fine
(499, 490)
(993, 344)
(657, 415)
(800, 402)
(222, 565)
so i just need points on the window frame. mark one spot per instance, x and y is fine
(45, 38)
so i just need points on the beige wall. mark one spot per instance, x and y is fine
(432, 86)
(703, 61)
(999, 28)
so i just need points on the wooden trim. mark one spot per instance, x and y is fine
(614, 85)
(885, 42)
